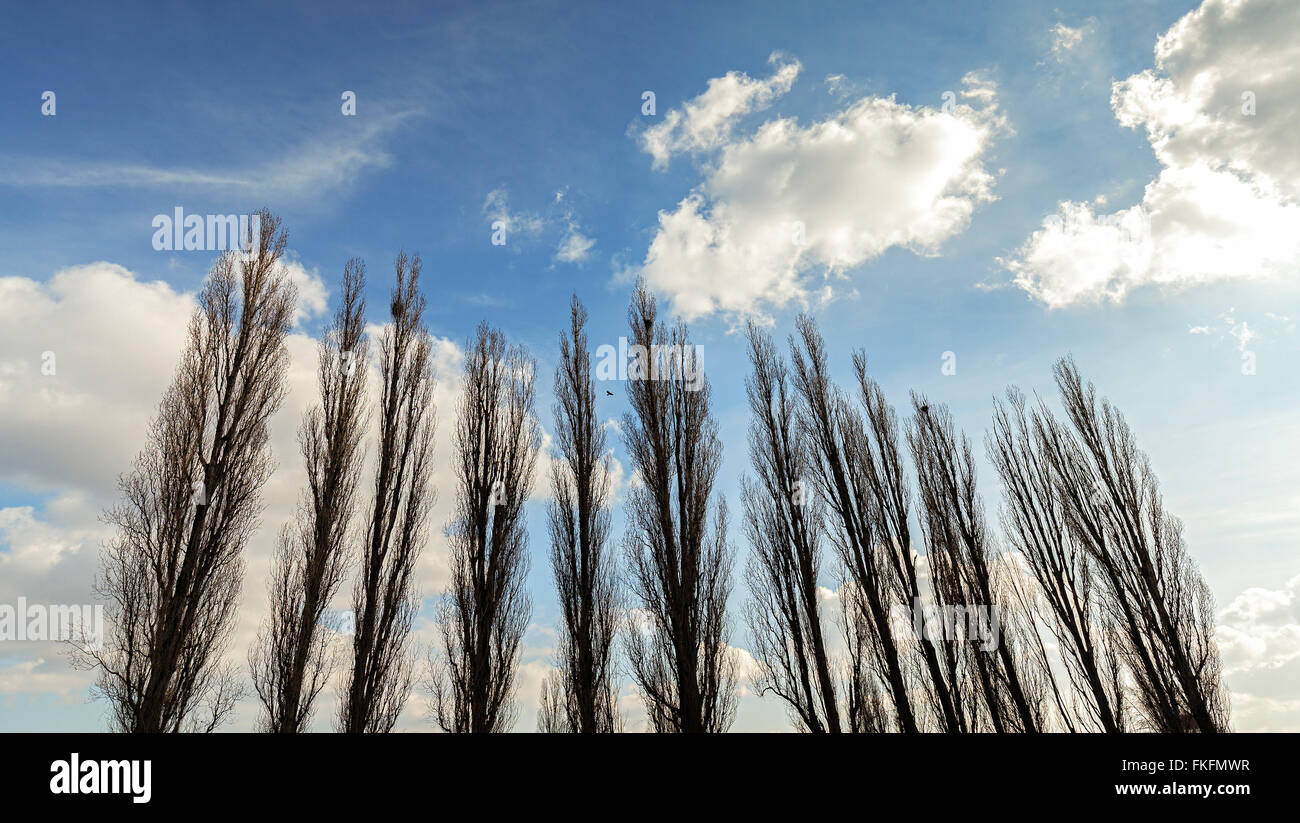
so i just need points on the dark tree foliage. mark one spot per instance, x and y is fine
(1150, 588)
(582, 557)
(1034, 522)
(784, 522)
(173, 572)
(293, 656)
(485, 613)
(384, 600)
(678, 560)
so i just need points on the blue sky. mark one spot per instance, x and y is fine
(464, 110)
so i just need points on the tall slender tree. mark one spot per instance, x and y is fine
(292, 658)
(485, 613)
(173, 572)
(1151, 588)
(959, 549)
(552, 711)
(784, 522)
(678, 559)
(384, 600)
(581, 555)
(936, 681)
(1034, 521)
(840, 467)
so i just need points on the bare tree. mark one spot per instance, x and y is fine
(552, 709)
(384, 601)
(173, 572)
(485, 613)
(1034, 520)
(936, 674)
(866, 703)
(840, 465)
(784, 522)
(581, 555)
(959, 550)
(292, 658)
(1151, 587)
(679, 563)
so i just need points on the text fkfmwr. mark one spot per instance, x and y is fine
(76, 776)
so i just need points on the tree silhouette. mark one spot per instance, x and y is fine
(293, 655)
(173, 572)
(678, 560)
(581, 556)
(384, 601)
(784, 522)
(485, 613)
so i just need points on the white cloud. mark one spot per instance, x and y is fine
(1065, 39)
(496, 207)
(36, 547)
(313, 166)
(1259, 640)
(112, 342)
(836, 84)
(705, 123)
(1242, 332)
(39, 676)
(1243, 335)
(782, 212)
(1227, 199)
(574, 247)
(313, 295)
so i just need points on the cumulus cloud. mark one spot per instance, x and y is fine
(313, 295)
(782, 213)
(1218, 109)
(1259, 640)
(78, 355)
(705, 122)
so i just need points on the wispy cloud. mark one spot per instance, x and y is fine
(496, 208)
(312, 167)
(575, 247)
(1066, 39)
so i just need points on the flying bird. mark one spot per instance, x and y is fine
(608, 393)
